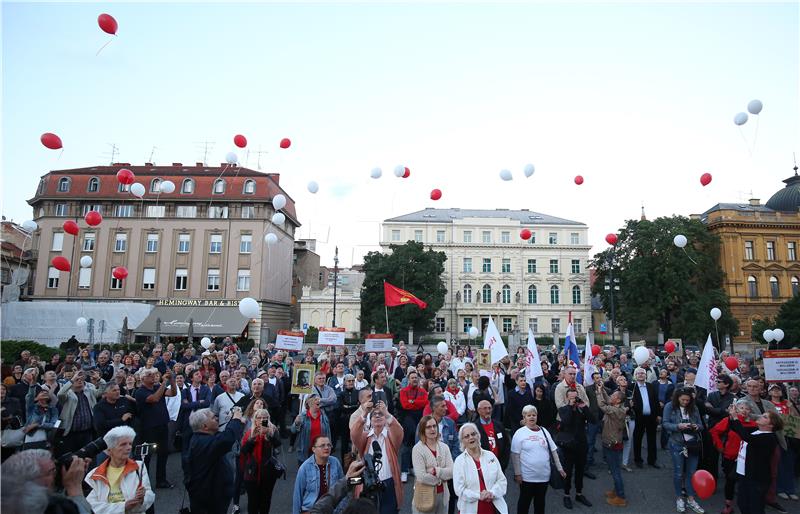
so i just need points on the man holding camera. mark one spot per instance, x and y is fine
(77, 398)
(31, 469)
(328, 502)
(154, 416)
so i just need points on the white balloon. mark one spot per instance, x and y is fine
(715, 314)
(278, 202)
(137, 190)
(167, 186)
(740, 119)
(205, 353)
(249, 307)
(399, 170)
(641, 355)
(755, 106)
(679, 240)
(205, 343)
(313, 187)
(271, 238)
(506, 175)
(376, 173)
(30, 225)
(442, 348)
(529, 169)
(778, 334)
(769, 335)
(231, 158)
(473, 332)
(278, 218)
(81, 322)
(86, 261)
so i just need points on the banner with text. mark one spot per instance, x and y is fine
(332, 336)
(378, 343)
(782, 365)
(288, 340)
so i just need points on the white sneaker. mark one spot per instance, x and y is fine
(783, 496)
(794, 497)
(680, 505)
(404, 477)
(695, 506)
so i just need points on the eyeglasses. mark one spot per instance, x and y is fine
(323, 446)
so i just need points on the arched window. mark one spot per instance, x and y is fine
(486, 296)
(506, 294)
(249, 187)
(774, 287)
(155, 185)
(219, 186)
(188, 186)
(554, 295)
(63, 185)
(752, 287)
(576, 295)
(94, 185)
(795, 286)
(531, 294)
(467, 293)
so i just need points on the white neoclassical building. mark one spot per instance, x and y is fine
(491, 271)
(316, 306)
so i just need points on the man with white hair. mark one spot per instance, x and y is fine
(154, 417)
(647, 414)
(37, 467)
(77, 398)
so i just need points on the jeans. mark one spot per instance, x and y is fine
(592, 429)
(528, 491)
(405, 459)
(785, 480)
(751, 496)
(387, 498)
(614, 461)
(682, 468)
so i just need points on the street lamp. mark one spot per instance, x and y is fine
(335, 281)
(611, 285)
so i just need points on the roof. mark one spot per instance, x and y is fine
(524, 216)
(788, 198)
(741, 207)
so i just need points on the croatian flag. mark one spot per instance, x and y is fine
(571, 348)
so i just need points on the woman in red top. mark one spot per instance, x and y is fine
(784, 484)
(256, 469)
(727, 443)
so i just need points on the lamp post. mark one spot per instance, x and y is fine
(611, 285)
(335, 281)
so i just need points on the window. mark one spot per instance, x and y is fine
(486, 237)
(576, 266)
(218, 211)
(92, 207)
(553, 238)
(115, 282)
(395, 235)
(578, 325)
(467, 324)
(121, 243)
(748, 250)
(439, 325)
(506, 294)
(248, 211)
(752, 287)
(467, 264)
(184, 242)
(774, 288)
(440, 236)
(574, 238)
(186, 211)
(531, 265)
(152, 243)
(532, 240)
(553, 265)
(63, 185)
(770, 250)
(467, 236)
(246, 243)
(61, 209)
(216, 243)
(791, 251)
(188, 186)
(94, 185)
(85, 278)
(52, 278)
(88, 242)
(123, 211)
(555, 325)
(156, 211)
(533, 324)
(554, 295)
(249, 188)
(181, 279)
(124, 188)
(576, 295)
(486, 297)
(506, 266)
(418, 236)
(58, 242)
(487, 265)
(467, 293)
(795, 286)
(532, 294)
(219, 186)
(155, 185)
(243, 280)
(213, 280)
(506, 325)
(505, 237)
(149, 278)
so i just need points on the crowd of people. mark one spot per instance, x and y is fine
(375, 421)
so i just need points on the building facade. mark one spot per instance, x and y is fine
(317, 305)
(305, 273)
(17, 267)
(200, 246)
(491, 272)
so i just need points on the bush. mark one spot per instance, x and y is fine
(11, 350)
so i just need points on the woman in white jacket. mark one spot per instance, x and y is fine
(116, 484)
(478, 478)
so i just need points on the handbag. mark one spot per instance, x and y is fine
(424, 497)
(556, 480)
(12, 437)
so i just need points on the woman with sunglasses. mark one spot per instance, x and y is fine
(478, 478)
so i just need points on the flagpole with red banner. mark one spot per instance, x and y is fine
(385, 307)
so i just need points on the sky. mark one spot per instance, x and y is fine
(637, 97)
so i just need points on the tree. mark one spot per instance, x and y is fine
(788, 320)
(410, 267)
(660, 283)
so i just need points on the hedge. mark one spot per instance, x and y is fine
(11, 350)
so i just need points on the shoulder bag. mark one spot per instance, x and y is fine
(556, 480)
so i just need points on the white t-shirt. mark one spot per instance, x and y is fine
(534, 453)
(742, 457)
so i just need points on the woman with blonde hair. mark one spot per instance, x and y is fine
(256, 463)
(433, 466)
(478, 478)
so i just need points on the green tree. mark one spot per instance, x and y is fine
(759, 326)
(788, 320)
(660, 283)
(410, 267)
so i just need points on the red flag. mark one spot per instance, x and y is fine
(394, 296)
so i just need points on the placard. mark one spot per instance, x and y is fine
(288, 340)
(303, 378)
(678, 346)
(782, 365)
(378, 343)
(333, 336)
(483, 358)
(791, 425)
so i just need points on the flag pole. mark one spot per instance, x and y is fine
(385, 307)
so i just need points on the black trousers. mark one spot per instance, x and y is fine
(710, 458)
(73, 441)
(752, 495)
(259, 496)
(157, 435)
(729, 469)
(531, 491)
(645, 424)
(451, 507)
(574, 465)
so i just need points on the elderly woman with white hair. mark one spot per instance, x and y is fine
(478, 478)
(120, 485)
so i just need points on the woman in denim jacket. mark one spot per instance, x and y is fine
(42, 418)
(682, 421)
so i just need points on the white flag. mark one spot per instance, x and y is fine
(533, 362)
(588, 366)
(707, 370)
(494, 343)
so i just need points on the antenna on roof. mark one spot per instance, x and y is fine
(152, 152)
(113, 153)
(207, 147)
(258, 153)
(794, 156)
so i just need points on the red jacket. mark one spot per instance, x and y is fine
(452, 412)
(416, 401)
(731, 449)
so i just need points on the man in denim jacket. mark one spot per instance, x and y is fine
(316, 476)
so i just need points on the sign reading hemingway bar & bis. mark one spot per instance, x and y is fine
(200, 302)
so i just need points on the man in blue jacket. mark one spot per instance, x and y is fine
(316, 476)
(193, 398)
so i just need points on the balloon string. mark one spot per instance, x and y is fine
(746, 143)
(755, 137)
(101, 48)
(60, 154)
(689, 256)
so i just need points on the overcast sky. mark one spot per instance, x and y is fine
(638, 98)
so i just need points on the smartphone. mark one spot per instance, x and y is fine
(264, 423)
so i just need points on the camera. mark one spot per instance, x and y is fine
(265, 423)
(372, 485)
(143, 450)
(90, 451)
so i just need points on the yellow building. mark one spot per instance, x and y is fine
(759, 253)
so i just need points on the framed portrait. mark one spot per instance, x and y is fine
(303, 378)
(484, 360)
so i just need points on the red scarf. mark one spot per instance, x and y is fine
(454, 391)
(257, 449)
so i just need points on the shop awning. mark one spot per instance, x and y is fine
(206, 321)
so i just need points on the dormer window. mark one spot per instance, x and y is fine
(94, 185)
(63, 185)
(249, 187)
(188, 186)
(155, 185)
(219, 186)
(124, 188)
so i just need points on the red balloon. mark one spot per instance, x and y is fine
(731, 363)
(525, 234)
(595, 350)
(70, 227)
(406, 173)
(286, 143)
(93, 218)
(669, 346)
(579, 179)
(126, 176)
(239, 140)
(705, 179)
(107, 23)
(436, 194)
(612, 239)
(120, 272)
(51, 141)
(703, 483)
(61, 263)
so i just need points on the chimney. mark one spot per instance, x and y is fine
(755, 202)
(198, 164)
(177, 164)
(149, 164)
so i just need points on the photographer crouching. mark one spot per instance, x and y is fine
(328, 502)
